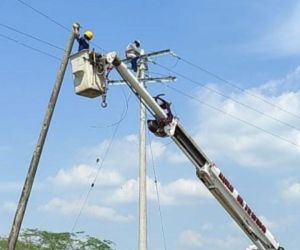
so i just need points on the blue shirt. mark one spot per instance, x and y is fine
(83, 43)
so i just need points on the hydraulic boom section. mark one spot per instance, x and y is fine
(207, 172)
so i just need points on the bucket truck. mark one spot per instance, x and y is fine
(212, 177)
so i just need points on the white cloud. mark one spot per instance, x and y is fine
(174, 193)
(156, 149)
(227, 138)
(71, 207)
(123, 152)
(9, 206)
(291, 191)
(84, 175)
(187, 188)
(190, 239)
(127, 193)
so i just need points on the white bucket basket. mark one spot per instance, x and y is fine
(88, 81)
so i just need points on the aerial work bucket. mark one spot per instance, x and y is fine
(89, 78)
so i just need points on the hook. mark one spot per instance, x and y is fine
(103, 104)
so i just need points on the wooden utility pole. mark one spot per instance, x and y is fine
(14, 233)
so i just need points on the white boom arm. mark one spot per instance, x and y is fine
(206, 170)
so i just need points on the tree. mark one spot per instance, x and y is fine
(34, 239)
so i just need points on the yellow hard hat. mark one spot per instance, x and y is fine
(88, 34)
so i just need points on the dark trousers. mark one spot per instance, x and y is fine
(134, 64)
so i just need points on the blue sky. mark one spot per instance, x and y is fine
(252, 44)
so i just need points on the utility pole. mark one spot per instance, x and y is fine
(142, 166)
(142, 241)
(14, 233)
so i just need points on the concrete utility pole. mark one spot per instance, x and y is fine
(13, 237)
(142, 167)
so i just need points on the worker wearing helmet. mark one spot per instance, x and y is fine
(133, 51)
(84, 40)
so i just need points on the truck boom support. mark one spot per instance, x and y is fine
(206, 170)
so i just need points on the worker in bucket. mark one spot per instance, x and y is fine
(83, 41)
(132, 52)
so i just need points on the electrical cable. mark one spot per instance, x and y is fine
(235, 86)
(157, 194)
(44, 15)
(29, 47)
(228, 97)
(30, 36)
(53, 20)
(235, 117)
(100, 165)
(123, 115)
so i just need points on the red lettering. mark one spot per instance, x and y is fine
(226, 182)
(240, 200)
(248, 210)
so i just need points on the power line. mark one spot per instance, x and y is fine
(228, 97)
(29, 47)
(235, 86)
(42, 14)
(54, 21)
(28, 35)
(235, 117)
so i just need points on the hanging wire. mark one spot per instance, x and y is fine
(235, 117)
(100, 165)
(157, 194)
(123, 115)
(30, 36)
(228, 97)
(29, 47)
(235, 86)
